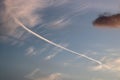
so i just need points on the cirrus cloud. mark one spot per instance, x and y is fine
(110, 64)
(37, 75)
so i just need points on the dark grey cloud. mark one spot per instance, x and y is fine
(111, 21)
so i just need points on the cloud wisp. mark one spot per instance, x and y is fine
(55, 51)
(37, 75)
(112, 21)
(31, 51)
(25, 11)
(52, 43)
(110, 64)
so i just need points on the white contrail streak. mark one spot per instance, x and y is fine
(52, 43)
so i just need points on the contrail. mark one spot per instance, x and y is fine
(52, 43)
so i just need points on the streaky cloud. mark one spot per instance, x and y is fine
(25, 11)
(37, 75)
(52, 43)
(55, 51)
(110, 64)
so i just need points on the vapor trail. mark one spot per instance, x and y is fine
(52, 43)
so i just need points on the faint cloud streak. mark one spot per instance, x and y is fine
(31, 51)
(37, 75)
(55, 51)
(110, 64)
(26, 11)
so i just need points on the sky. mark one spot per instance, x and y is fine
(56, 40)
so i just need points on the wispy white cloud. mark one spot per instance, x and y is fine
(50, 56)
(33, 73)
(58, 24)
(12, 40)
(31, 51)
(87, 52)
(45, 48)
(54, 76)
(54, 52)
(37, 75)
(110, 64)
(25, 11)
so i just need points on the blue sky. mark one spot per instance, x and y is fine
(23, 56)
